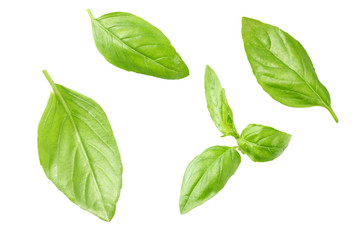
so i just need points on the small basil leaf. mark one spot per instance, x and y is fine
(262, 143)
(133, 44)
(217, 104)
(78, 151)
(206, 175)
(282, 67)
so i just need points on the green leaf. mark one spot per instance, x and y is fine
(217, 104)
(262, 143)
(133, 44)
(282, 67)
(206, 175)
(78, 151)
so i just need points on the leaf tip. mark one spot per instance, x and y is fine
(245, 20)
(106, 215)
(183, 210)
(186, 72)
(106, 219)
(290, 136)
(208, 68)
(248, 23)
(183, 207)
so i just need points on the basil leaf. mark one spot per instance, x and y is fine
(133, 44)
(262, 143)
(206, 175)
(282, 67)
(217, 104)
(78, 151)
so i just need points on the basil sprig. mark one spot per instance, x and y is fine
(282, 66)
(208, 173)
(78, 151)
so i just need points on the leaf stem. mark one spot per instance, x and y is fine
(90, 14)
(333, 114)
(239, 139)
(53, 85)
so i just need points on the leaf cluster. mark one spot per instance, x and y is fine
(208, 172)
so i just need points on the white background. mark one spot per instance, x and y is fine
(312, 191)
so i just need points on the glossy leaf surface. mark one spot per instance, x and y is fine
(78, 151)
(133, 44)
(282, 67)
(217, 104)
(262, 143)
(206, 175)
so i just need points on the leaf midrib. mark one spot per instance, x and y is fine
(257, 145)
(120, 40)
